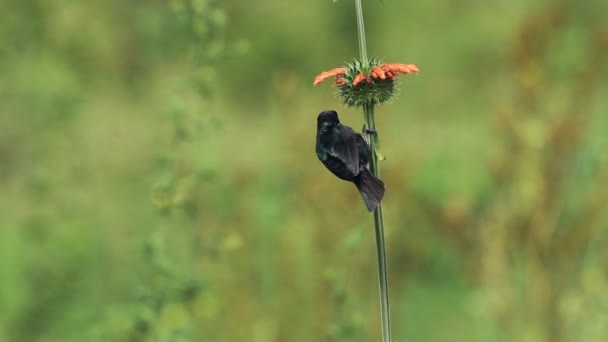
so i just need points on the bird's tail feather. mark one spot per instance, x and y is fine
(371, 189)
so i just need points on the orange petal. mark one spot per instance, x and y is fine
(360, 77)
(377, 72)
(340, 80)
(387, 67)
(402, 68)
(408, 69)
(327, 74)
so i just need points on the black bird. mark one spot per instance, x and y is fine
(345, 153)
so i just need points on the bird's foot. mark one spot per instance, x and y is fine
(367, 134)
(368, 131)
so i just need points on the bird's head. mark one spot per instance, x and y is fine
(327, 118)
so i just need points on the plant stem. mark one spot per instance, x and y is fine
(385, 314)
(361, 28)
(368, 111)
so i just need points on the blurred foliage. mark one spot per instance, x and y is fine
(158, 180)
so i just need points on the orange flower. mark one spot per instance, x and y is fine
(340, 80)
(378, 72)
(338, 72)
(395, 68)
(360, 77)
(359, 84)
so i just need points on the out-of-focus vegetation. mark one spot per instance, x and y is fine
(158, 180)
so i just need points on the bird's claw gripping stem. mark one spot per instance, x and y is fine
(368, 131)
(367, 134)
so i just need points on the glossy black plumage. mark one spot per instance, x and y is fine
(345, 153)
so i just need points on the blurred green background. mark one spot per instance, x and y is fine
(158, 180)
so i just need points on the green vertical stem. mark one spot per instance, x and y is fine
(385, 314)
(368, 111)
(361, 28)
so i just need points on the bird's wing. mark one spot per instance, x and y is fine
(365, 151)
(347, 149)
